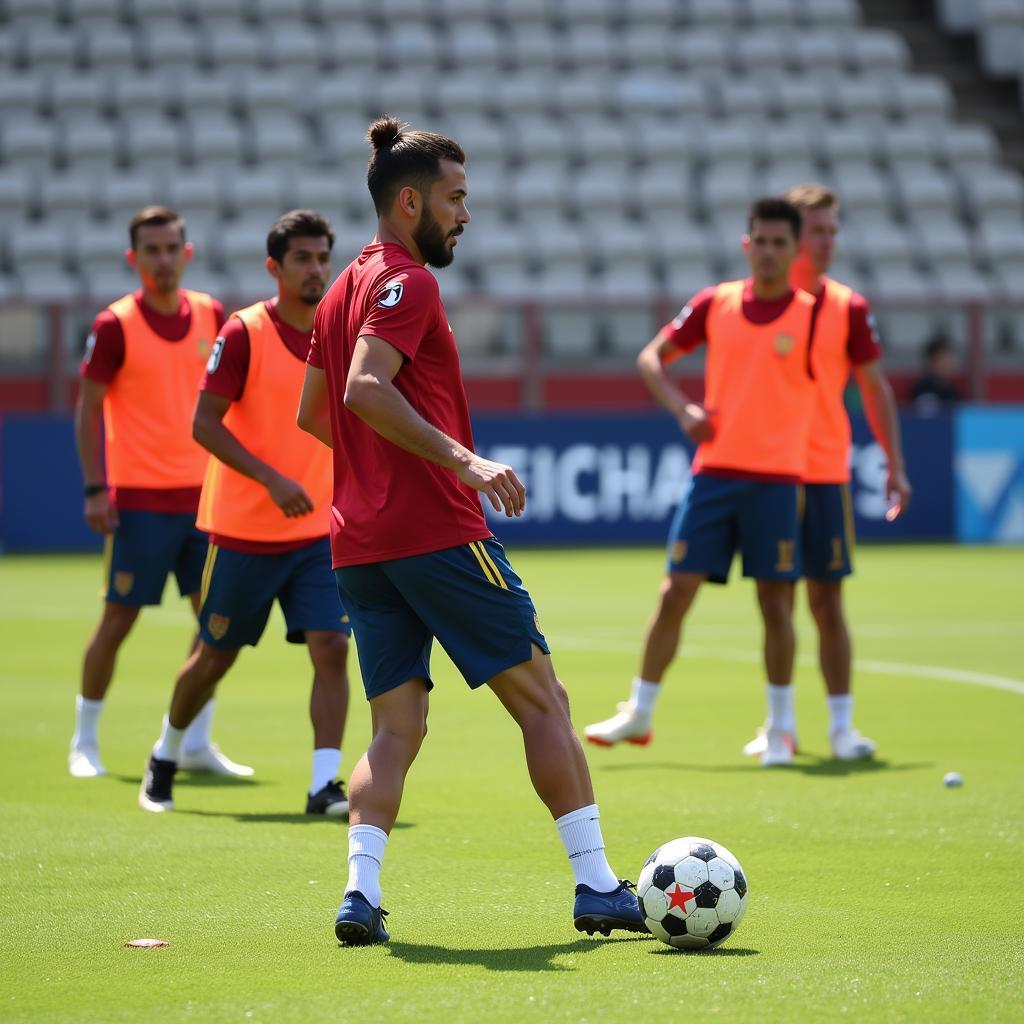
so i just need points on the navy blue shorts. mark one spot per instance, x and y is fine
(239, 589)
(826, 533)
(144, 549)
(720, 516)
(468, 597)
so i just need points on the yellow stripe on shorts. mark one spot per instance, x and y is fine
(848, 523)
(204, 587)
(483, 565)
(108, 558)
(494, 568)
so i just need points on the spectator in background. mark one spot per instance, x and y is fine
(936, 388)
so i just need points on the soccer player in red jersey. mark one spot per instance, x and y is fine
(265, 504)
(845, 342)
(413, 555)
(143, 360)
(752, 439)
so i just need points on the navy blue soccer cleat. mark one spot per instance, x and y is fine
(358, 923)
(606, 911)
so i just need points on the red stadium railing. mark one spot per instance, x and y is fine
(550, 355)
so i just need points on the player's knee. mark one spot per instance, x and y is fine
(213, 662)
(826, 606)
(677, 593)
(328, 652)
(776, 605)
(117, 621)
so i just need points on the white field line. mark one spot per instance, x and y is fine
(885, 668)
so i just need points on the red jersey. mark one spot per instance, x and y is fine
(103, 359)
(389, 503)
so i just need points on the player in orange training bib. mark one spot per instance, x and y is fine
(266, 503)
(752, 435)
(845, 342)
(143, 360)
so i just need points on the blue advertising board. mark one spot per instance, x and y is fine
(989, 468)
(595, 479)
(617, 478)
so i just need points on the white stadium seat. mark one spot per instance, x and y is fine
(76, 95)
(152, 142)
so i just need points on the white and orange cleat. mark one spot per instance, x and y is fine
(629, 725)
(759, 744)
(778, 749)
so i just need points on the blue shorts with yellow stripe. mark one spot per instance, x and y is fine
(144, 549)
(722, 515)
(240, 587)
(469, 598)
(826, 532)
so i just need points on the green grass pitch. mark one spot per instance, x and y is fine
(876, 893)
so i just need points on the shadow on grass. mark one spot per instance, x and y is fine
(279, 818)
(663, 950)
(528, 958)
(203, 780)
(805, 765)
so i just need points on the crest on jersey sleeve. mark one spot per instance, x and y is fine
(391, 295)
(214, 361)
(682, 316)
(90, 346)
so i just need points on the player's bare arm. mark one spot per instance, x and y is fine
(880, 408)
(371, 394)
(208, 429)
(314, 416)
(100, 514)
(651, 362)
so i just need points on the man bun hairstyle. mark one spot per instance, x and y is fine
(403, 156)
(774, 208)
(154, 216)
(297, 224)
(812, 196)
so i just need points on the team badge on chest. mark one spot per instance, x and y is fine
(784, 344)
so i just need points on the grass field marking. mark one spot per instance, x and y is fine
(892, 668)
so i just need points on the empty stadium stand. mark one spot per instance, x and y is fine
(613, 146)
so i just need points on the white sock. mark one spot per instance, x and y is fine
(840, 710)
(581, 834)
(168, 747)
(326, 762)
(780, 708)
(87, 720)
(644, 695)
(365, 854)
(197, 734)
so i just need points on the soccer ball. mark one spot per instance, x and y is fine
(692, 893)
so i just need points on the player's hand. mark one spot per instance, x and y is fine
(898, 490)
(498, 482)
(695, 423)
(289, 496)
(100, 514)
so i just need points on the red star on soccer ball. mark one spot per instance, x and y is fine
(678, 897)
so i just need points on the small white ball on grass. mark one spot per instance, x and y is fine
(952, 779)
